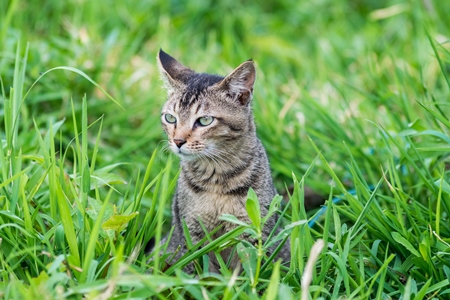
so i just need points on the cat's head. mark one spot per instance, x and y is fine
(206, 115)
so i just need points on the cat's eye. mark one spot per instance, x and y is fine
(205, 121)
(170, 119)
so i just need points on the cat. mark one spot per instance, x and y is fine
(209, 123)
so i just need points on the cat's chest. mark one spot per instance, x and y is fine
(208, 207)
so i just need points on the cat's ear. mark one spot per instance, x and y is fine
(174, 74)
(239, 84)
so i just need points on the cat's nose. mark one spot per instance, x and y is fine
(179, 142)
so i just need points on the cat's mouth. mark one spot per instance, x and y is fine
(188, 152)
(186, 156)
(184, 153)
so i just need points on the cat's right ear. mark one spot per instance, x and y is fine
(173, 73)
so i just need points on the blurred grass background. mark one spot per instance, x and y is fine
(363, 83)
(324, 67)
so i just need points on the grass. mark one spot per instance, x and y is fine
(351, 101)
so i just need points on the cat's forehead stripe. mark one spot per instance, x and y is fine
(196, 85)
(189, 97)
(198, 107)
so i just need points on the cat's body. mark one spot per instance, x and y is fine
(209, 123)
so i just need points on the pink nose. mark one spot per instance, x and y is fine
(179, 142)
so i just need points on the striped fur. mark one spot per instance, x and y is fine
(220, 161)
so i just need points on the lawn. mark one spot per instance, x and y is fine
(351, 102)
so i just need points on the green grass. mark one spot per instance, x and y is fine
(351, 101)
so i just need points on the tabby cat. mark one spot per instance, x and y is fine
(209, 124)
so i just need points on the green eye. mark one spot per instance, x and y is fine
(205, 121)
(170, 119)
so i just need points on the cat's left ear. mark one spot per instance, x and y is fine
(239, 84)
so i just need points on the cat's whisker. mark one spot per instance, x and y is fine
(206, 158)
(166, 149)
(223, 156)
(220, 161)
(163, 141)
(211, 157)
(224, 151)
(221, 152)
